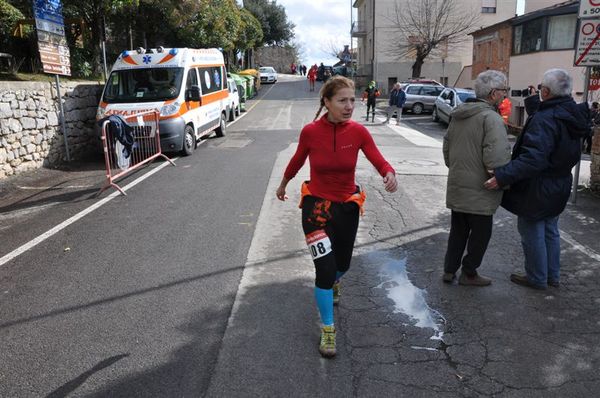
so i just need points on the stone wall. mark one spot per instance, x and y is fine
(595, 166)
(30, 131)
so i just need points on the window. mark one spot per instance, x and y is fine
(210, 79)
(431, 91)
(451, 98)
(528, 36)
(561, 32)
(413, 90)
(444, 95)
(143, 85)
(488, 6)
(192, 79)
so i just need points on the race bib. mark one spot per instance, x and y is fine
(318, 243)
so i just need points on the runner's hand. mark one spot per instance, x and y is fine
(390, 183)
(281, 193)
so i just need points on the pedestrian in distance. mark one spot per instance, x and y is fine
(396, 103)
(331, 200)
(476, 141)
(539, 175)
(370, 94)
(312, 76)
(505, 109)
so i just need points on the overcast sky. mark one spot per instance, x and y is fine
(319, 23)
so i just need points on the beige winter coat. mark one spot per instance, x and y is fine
(476, 141)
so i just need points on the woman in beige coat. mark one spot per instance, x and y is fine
(476, 142)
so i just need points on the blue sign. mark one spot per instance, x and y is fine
(49, 10)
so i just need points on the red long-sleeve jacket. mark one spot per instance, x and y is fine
(332, 151)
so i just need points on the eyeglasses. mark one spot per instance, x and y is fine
(505, 89)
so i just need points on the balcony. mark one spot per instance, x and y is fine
(359, 29)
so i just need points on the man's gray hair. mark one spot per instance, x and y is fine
(558, 82)
(487, 81)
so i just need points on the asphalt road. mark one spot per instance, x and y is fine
(198, 282)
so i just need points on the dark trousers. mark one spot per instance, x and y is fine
(339, 221)
(371, 106)
(472, 231)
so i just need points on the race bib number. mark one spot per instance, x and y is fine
(318, 243)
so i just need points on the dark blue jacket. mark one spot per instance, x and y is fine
(539, 173)
(398, 98)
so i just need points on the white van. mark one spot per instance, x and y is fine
(188, 87)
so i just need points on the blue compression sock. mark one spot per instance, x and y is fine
(325, 304)
(338, 275)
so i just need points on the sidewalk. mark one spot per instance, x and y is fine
(401, 331)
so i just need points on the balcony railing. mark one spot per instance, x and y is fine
(359, 29)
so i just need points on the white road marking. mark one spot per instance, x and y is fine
(34, 242)
(414, 136)
(585, 250)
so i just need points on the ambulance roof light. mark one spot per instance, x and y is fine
(140, 50)
(161, 49)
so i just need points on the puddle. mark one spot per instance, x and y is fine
(408, 299)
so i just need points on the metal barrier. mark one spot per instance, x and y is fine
(121, 159)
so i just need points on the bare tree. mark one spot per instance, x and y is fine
(425, 26)
(332, 49)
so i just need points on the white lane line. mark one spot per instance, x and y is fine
(32, 243)
(577, 246)
(414, 136)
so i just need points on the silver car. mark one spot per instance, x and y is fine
(448, 100)
(421, 97)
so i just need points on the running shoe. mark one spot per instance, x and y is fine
(327, 345)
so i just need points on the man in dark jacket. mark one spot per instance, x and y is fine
(396, 103)
(539, 175)
(370, 94)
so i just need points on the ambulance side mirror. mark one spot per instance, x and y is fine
(193, 94)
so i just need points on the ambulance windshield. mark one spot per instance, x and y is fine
(143, 85)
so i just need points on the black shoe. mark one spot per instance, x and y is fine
(448, 277)
(554, 283)
(521, 279)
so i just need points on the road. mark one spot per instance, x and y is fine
(198, 283)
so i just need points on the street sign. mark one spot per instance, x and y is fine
(587, 50)
(589, 8)
(54, 52)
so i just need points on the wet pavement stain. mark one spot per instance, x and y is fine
(408, 299)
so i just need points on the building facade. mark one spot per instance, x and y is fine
(524, 47)
(379, 58)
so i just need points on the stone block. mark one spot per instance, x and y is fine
(40, 123)
(52, 119)
(30, 148)
(26, 140)
(15, 125)
(28, 123)
(5, 110)
(30, 104)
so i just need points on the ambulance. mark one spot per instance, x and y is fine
(187, 86)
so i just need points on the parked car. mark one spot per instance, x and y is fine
(233, 104)
(421, 97)
(268, 74)
(448, 100)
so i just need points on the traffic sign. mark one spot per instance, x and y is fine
(589, 8)
(587, 50)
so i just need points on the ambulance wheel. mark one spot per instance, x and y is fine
(189, 141)
(231, 114)
(220, 131)
(238, 110)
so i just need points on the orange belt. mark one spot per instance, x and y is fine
(358, 197)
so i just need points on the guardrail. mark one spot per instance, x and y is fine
(130, 142)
